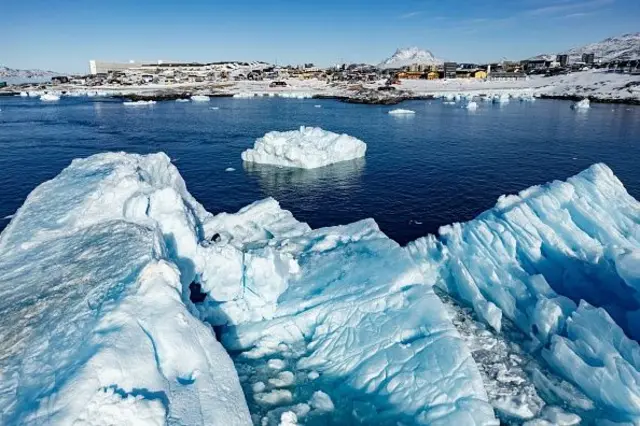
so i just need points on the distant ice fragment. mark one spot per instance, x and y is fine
(306, 148)
(582, 105)
(472, 106)
(200, 98)
(183, 100)
(138, 103)
(229, 169)
(400, 111)
(48, 97)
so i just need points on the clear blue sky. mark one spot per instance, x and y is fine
(62, 35)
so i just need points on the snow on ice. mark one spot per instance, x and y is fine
(96, 327)
(306, 148)
(555, 260)
(49, 97)
(200, 98)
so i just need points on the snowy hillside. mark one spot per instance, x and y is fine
(622, 47)
(17, 74)
(409, 56)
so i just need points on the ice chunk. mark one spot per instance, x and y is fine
(400, 111)
(229, 169)
(49, 97)
(321, 401)
(24, 94)
(200, 98)
(534, 257)
(183, 100)
(138, 103)
(288, 418)
(94, 321)
(583, 104)
(472, 106)
(372, 332)
(306, 148)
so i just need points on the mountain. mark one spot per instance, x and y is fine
(623, 47)
(409, 56)
(7, 73)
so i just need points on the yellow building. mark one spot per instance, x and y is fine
(433, 75)
(480, 75)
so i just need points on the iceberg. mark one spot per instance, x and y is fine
(400, 111)
(24, 94)
(98, 271)
(96, 322)
(559, 261)
(183, 100)
(306, 148)
(200, 98)
(48, 97)
(138, 103)
(472, 106)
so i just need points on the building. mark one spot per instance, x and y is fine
(96, 67)
(506, 76)
(563, 60)
(3, 84)
(59, 79)
(588, 58)
(450, 69)
(480, 75)
(433, 75)
(410, 75)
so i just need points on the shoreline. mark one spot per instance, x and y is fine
(351, 99)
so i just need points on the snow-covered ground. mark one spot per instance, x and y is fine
(528, 310)
(306, 148)
(596, 84)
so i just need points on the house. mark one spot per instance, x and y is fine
(480, 75)
(410, 75)
(146, 78)
(450, 69)
(505, 76)
(563, 60)
(588, 58)
(433, 75)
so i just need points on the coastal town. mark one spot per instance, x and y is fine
(600, 74)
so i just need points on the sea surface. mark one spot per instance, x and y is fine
(444, 164)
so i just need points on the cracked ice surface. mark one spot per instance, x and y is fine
(542, 259)
(94, 326)
(349, 315)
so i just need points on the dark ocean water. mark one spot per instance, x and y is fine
(443, 165)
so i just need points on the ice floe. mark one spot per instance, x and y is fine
(400, 111)
(307, 148)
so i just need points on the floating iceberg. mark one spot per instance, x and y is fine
(401, 112)
(502, 99)
(96, 320)
(583, 104)
(24, 94)
(306, 148)
(48, 97)
(472, 105)
(100, 325)
(183, 100)
(200, 98)
(138, 103)
(559, 261)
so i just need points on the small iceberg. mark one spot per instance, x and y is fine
(306, 148)
(48, 97)
(582, 105)
(24, 94)
(138, 103)
(401, 112)
(503, 99)
(200, 98)
(472, 106)
(215, 108)
(229, 169)
(317, 106)
(183, 100)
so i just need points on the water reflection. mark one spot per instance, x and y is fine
(277, 181)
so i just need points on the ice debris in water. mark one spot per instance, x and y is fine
(555, 261)
(400, 111)
(583, 104)
(229, 169)
(49, 97)
(200, 98)
(306, 148)
(472, 105)
(138, 103)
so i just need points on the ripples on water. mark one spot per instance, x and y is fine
(443, 164)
